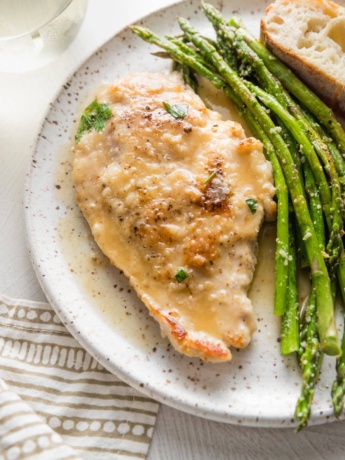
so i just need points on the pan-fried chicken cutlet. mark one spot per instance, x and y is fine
(175, 197)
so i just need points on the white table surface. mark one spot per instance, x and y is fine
(24, 99)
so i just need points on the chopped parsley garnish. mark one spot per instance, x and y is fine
(210, 177)
(181, 275)
(178, 110)
(94, 116)
(252, 205)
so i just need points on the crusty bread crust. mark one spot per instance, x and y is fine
(309, 36)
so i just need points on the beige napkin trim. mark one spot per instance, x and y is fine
(24, 435)
(95, 413)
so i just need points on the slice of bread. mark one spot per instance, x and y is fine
(309, 36)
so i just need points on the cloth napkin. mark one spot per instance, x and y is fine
(56, 401)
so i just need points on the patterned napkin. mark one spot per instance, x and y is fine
(56, 401)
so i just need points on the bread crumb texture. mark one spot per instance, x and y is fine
(312, 31)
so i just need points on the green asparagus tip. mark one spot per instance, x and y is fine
(182, 21)
(142, 31)
(208, 7)
(135, 28)
(213, 15)
(236, 23)
(338, 398)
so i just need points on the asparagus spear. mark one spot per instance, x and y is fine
(315, 205)
(286, 303)
(227, 36)
(339, 161)
(284, 281)
(332, 203)
(290, 325)
(310, 361)
(326, 321)
(309, 353)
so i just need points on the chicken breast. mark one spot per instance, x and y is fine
(175, 197)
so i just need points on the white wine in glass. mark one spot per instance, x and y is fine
(33, 32)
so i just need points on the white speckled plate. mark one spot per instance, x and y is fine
(96, 303)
